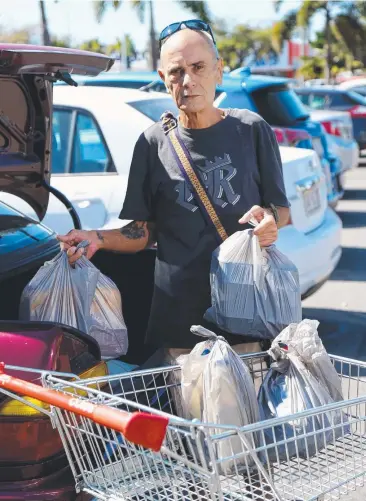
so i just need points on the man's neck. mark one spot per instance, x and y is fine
(201, 120)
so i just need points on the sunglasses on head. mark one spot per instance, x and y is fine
(192, 24)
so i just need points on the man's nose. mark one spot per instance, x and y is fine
(188, 81)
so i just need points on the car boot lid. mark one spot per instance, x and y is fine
(26, 76)
(18, 59)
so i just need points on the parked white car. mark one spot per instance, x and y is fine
(339, 130)
(355, 84)
(95, 130)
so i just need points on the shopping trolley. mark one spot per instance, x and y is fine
(124, 440)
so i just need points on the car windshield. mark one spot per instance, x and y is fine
(10, 219)
(154, 108)
(279, 105)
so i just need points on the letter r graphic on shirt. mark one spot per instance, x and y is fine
(216, 177)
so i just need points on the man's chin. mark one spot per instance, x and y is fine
(191, 107)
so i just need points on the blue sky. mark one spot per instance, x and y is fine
(75, 18)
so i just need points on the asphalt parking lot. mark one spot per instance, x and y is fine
(340, 305)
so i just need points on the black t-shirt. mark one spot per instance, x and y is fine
(239, 162)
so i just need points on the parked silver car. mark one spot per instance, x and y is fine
(340, 138)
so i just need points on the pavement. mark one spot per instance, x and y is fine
(340, 305)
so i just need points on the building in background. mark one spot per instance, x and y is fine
(284, 64)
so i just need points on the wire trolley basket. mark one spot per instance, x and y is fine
(124, 441)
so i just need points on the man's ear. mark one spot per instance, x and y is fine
(162, 76)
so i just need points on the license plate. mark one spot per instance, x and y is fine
(318, 147)
(311, 199)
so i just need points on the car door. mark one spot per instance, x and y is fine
(82, 169)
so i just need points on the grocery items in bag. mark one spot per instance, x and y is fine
(292, 386)
(217, 388)
(80, 297)
(254, 292)
(304, 339)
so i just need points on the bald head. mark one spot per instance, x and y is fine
(187, 39)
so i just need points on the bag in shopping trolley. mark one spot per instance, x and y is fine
(217, 388)
(304, 339)
(291, 387)
(80, 297)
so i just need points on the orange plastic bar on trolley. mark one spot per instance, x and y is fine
(140, 428)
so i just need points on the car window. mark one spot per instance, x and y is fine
(61, 129)
(304, 98)
(279, 105)
(346, 99)
(90, 153)
(238, 99)
(154, 108)
(319, 101)
(340, 99)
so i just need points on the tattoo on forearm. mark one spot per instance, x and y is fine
(100, 236)
(134, 230)
(140, 229)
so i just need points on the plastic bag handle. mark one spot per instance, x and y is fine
(258, 269)
(203, 332)
(143, 429)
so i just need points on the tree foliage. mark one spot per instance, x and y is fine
(24, 35)
(199, 8)
(340, 44)
(282, 30)
(236, 45)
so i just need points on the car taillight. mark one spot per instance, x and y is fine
(358, 111)
(16, 408)
(332, 128)
(292, 137)
(296, 136)
(280, 136)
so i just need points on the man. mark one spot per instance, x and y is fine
(237, 158)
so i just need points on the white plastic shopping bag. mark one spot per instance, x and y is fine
(289, 388)
(80, 297)
(254, 292)
(217, 388)
(303, 338)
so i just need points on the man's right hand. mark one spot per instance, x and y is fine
(74, 237)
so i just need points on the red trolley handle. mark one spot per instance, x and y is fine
(140, 428)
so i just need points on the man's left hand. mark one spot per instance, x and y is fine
(266, 229)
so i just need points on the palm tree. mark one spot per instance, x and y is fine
(46, 39)
(198, 8)
(332, 11)
(349, 30)
(304, 15)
